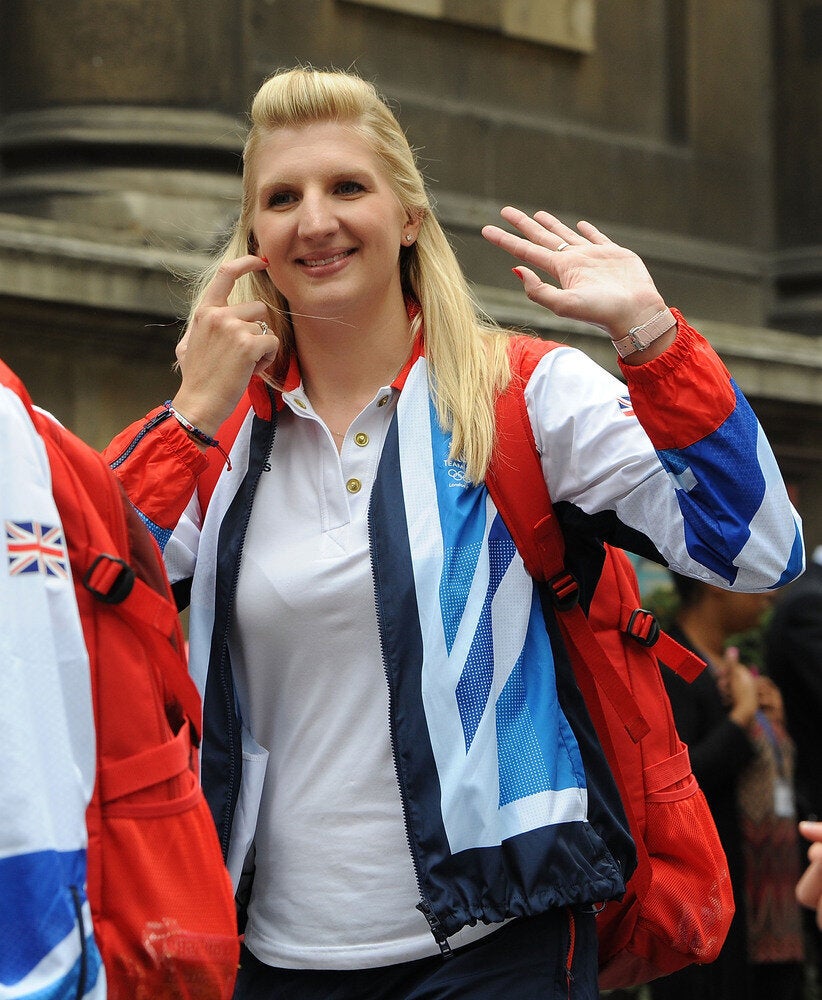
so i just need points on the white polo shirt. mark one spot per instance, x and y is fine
(335, 886)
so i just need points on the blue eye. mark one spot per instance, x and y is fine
(350, 187)
(279, 198)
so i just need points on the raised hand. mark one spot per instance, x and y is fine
(223, 346)
(598, 281)
(738, 686)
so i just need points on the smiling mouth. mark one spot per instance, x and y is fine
(324, 261)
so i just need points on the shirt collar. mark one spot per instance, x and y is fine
(260, 395)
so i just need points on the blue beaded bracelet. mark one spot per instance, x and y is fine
(197, 434)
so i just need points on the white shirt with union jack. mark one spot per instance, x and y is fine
(47, 744)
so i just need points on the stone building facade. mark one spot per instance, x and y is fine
(689, 130)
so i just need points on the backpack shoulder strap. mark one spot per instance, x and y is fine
(113, 557)
(514, 477)
(518, 488)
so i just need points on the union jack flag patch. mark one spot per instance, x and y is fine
(36, 548)
(625, 405)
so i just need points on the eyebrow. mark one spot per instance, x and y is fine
(350, 173)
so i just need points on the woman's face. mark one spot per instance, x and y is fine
(327, 220)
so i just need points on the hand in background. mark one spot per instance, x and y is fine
(739, 687)
(770, 699)
(809, 886)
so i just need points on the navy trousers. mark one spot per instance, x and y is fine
(552, 956)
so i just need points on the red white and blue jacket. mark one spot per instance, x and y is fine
(47, 734)
(510, 807)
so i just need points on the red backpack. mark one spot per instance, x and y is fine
(679, 902)
(161, 900)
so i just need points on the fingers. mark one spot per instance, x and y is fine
(591, 233)
(543, 237)
(811, 831)
(544, 229)
(809, 888)
(226, 277)
(250, 312)
(554, 227)
(245, 317)
(523, 249)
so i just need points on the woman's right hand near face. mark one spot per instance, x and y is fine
(222, 348)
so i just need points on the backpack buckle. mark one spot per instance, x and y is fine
(109, 579)
(564, 590)
(643, 627)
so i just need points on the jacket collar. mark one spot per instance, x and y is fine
(261, 396)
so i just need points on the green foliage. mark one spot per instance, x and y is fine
(664, 602)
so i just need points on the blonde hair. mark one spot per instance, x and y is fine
(465, 350)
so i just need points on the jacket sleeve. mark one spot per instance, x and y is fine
(158, 465)
(47, 740)
(679, 460)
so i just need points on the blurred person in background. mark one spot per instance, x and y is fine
(732, 720)
(793, 658)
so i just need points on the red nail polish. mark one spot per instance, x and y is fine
(517, 272)
(264, 260)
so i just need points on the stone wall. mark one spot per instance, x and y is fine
(689, 131)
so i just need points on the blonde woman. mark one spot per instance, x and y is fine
(396, 756)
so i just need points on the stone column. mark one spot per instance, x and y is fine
(121, 116)
(120, 135)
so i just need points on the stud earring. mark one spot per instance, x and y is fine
(409, 237)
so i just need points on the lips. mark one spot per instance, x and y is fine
(324, 261)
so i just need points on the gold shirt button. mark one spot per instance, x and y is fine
(382, 401)
(353, 486)
(361, 439)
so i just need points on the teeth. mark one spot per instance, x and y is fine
(326, 260)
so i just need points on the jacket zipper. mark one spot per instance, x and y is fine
(424, 905)
(569, 957)
(225, 834)
(147, 428)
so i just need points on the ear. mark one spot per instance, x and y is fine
(411, 230)
(251, 243)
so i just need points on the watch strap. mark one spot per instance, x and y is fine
(641, 337)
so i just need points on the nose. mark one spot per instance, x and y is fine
(317, 218)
